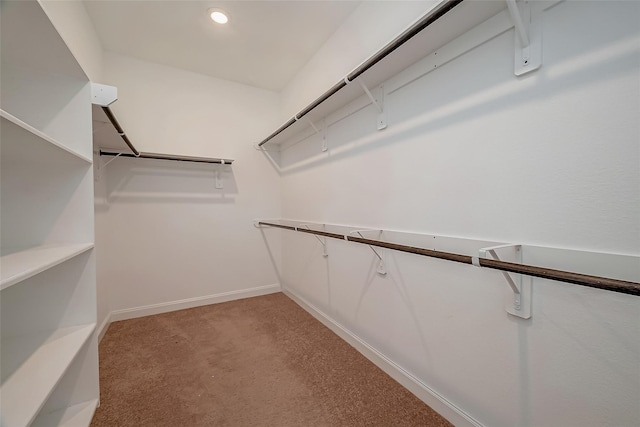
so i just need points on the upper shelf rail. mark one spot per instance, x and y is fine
(142, 155)
(615, 285)
(408, 34)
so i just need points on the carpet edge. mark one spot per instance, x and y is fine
(165, 307)
(438, 403)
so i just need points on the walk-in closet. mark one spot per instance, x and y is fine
(319, 213)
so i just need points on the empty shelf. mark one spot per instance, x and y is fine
(8, 118)
(79, 415)
(33, 366)
(21, 265)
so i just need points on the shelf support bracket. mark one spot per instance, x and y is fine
(115, 157)
(219, 184)
(381, 270)
(322, 133)
(378, 103)
(322, 242)
(518, 298)
(103, 95)
(528, 37)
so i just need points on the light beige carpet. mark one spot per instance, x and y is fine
(255, 362)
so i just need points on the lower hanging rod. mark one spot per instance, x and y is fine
(615, 285)
(168, 157)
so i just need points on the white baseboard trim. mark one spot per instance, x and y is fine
(440, 404)
(102, 329)
(165, 307)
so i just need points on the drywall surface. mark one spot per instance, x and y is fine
(165, 232)
(372, 25)
(550, 159)
(75, 27)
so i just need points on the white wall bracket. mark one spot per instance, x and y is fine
(381, 269)
(103, 95)
(381, 122)
(528, 36)
(518, 298)
(322, 133)
(100, 165)
(323, 242)
(219, 182)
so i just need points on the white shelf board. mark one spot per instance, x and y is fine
(32, 375)
(19, 266)
(79, 415)
(39, 134)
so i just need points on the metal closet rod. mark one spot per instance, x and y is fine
(120, 131)
(137, 154)
(615, 285)
(168, 157)
(423, 23)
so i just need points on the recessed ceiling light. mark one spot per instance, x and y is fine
(219, 16)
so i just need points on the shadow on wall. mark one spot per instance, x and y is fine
(131, 180)
(426, 105)
(272, 256)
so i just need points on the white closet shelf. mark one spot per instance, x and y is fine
(22, 265)
(422, 38)
(32, 376)
(7, 117)
(79, 415)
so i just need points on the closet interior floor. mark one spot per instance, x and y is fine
(260, 361)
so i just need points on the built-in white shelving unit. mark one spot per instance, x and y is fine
(48, 352)
(37, 372)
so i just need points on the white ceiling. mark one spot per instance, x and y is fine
(264, 44)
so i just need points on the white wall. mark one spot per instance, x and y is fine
(550, 159)
(372, 25)
(164, 232)
(71, 20)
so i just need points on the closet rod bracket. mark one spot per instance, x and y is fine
(381, 122)
(322, 132)
(381, 269)
(528, 36)
(323, 242)
(219, 183)
(518, 296)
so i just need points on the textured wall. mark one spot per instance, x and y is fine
(548, 159)
(164, 232)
